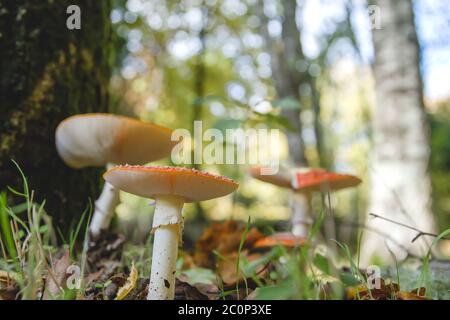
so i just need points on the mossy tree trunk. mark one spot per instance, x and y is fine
(48, 73)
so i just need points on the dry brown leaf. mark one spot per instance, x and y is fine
(184, 291)
(226, 267)
(9, 289)
(6, 277)
(416, 294)
(385, 292)
(223, 237)
(55, 280)
(129, 285)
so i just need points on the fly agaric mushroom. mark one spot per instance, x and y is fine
(304, 182)
(282, 178)
(322, 181)
(298, 202)
(97, 139)
(171, 187)
(285, 239)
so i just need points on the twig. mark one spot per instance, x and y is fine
(383, 234)
(420, 233)
(400, 204)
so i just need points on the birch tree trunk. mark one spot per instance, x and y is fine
(400, 185)
(48, 73)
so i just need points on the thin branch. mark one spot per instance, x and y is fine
(420, 233)
(381, 233)
(371, 229)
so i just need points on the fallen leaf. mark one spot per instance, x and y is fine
(416, 294)
(226, 267)
(55, 281)
(9, 289)
(185, 291)
(7, 276)
(105, 250)
(385, 292)
(224, 238)
(129, 285)
(212, 291)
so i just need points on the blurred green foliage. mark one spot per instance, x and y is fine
(440, 164)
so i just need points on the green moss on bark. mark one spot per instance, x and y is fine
(47, 74)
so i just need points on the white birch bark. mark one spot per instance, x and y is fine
(400, 185)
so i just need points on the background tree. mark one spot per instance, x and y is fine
(285, 53)
(49, 72)
(400, 185)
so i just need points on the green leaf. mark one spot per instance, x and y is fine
(348, 279)
(198, 102)
(276, 120)
(425, 274)
(287, 103)
(225, 124)
(252, 266)
(283, 291)
(199, 275)
(322, 263)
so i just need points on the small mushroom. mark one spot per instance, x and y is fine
(299, 202)
(322, 181)
(285, 239)
(282, 178)
(303, 182)
(171, 187)
(92, 140)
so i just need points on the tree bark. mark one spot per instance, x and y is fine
(287, 80)
(400, 185)
(48, 73)
(285, 53)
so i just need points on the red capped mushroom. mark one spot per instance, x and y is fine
(322, 181)
(170, 187)
(285, 239)
(97, 139)
(303, 182)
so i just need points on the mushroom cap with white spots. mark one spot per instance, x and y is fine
(153, 181)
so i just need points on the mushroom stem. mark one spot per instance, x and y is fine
(104, 209)
(167, 222)
(300, 215)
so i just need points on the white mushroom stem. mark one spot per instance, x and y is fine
(167, 223)
(301, 220)
(104, 208)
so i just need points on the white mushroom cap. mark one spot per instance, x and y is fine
(150, 182)
(98, 139)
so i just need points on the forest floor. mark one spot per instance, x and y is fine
(225, 262)
(224, 265)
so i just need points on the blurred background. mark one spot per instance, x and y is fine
(241, 63)
(355, 87)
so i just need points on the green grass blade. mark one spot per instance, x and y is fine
(6, 227)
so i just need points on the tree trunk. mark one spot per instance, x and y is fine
(48, 73)
(285, 53)
(288, 80)
(400, 185)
